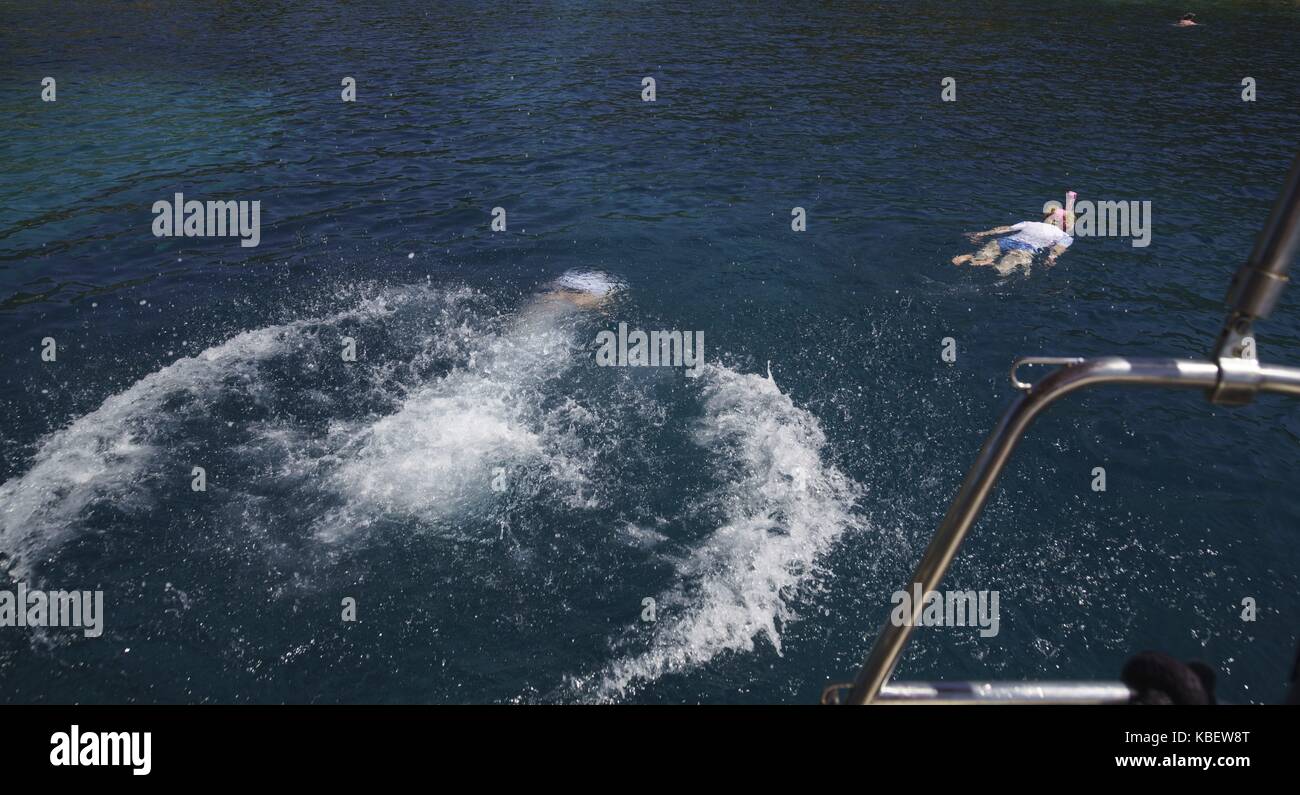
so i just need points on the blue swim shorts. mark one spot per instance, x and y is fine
(1006, 244)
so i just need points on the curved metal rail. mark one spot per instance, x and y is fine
(997, 450)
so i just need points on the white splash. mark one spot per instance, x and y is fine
(784, 508)
(439, 454)
(104, 454)
(432, 455)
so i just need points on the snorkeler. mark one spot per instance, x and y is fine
(1026, 239)
(1186, 21)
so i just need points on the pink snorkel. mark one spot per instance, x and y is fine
(1070, 196)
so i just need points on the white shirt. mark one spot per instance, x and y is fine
(1040, 235)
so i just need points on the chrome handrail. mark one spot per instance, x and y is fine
(996, 693)
(998, 447)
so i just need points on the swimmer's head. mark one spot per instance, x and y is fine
(1189, 17)
(593, 282)
(584, 289)
(1057, 217)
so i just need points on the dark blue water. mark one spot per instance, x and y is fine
(769, 519)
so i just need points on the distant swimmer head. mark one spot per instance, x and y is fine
(584, 289)
(1187, 19)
